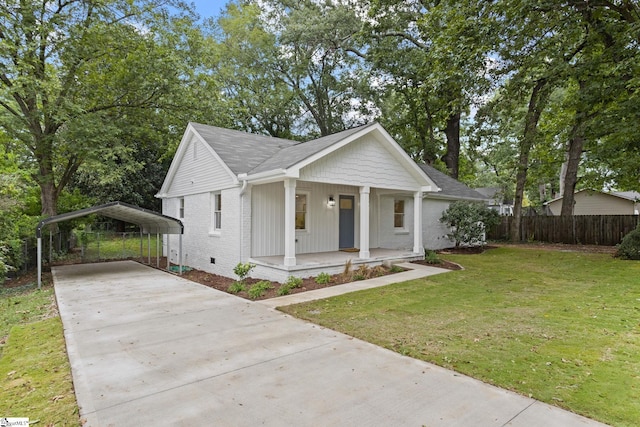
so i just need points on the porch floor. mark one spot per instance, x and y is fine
(335, 258)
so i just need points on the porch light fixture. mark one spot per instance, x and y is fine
(332, 202)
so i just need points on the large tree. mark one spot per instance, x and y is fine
(435, 54)
(69, 71)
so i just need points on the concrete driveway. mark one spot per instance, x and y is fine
(149, 348)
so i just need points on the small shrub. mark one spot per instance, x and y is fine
(236, 287)
(283, 290)
(242, 270)
(377, 271)
(431, 257)
(363, 271)
(258, 289)
(347, 272)
(293, 282)
(629, 248)
(396, 269)
(323, 279)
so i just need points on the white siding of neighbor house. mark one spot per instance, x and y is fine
(365, 162)
(595, 203)
(199, 243)
(434, 233)
(199, 173)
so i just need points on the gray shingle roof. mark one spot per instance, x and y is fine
(451, 187)
(241, 151)
(295, 154)
(250, 153)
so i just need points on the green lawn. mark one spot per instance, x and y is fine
(562, 327)
(35, 376)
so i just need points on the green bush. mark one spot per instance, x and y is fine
(323, 279)
(431, 257)
(629, 248)
(242, 270)
(292, 282)
(258, 289)
(236, 287)
(468, 222)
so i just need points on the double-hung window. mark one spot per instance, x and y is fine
(216, 212)
(301, 211)
(181, 208)
(398, 214)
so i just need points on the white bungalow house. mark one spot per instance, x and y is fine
(296, 208)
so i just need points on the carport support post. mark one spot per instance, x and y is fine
(141, 244)
(149, 248)
(180, 271)
(39, 262)
(157, 250)
(168, 237)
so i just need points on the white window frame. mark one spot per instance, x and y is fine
(306, 211)
(403, 228)
(181, 208)
(216, 212)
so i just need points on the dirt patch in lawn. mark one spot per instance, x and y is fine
(596, 249)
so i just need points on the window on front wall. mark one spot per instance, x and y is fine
(398, 213)
(216, 211)
(181, 207)
(301, 211)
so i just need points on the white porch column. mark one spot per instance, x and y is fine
(417, 223)
(364, 223)
(289, 222)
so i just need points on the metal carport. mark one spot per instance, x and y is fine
(149, 222)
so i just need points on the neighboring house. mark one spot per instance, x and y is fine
(496, 200)
(296, 208)
(591, 202)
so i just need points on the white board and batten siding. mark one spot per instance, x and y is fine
(322, 231)
(365, 162)
(198, 171)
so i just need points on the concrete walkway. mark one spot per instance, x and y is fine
(149, 348)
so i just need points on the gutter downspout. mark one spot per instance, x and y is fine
(243, 178)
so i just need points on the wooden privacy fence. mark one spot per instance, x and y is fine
(605, 230)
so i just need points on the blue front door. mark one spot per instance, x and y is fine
(347, 221)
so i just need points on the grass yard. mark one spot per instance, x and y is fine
(35, 376)
(561, 327)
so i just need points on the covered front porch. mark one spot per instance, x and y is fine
(332, 262)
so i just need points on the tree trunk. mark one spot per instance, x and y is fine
(574, 154)
(452, 131)
(537, 101)
(576, 143)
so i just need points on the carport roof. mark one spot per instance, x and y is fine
(149, 221)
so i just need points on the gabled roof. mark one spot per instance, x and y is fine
(258, 157)
(241, 151)
(451, 188)
(294, 154)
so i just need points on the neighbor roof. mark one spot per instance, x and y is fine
(633, 196)
(451, 188)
